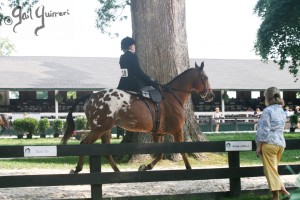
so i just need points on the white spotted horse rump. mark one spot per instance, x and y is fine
(109, 102)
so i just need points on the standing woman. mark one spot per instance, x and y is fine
(217, 115)
(133, 77)
(270, 141)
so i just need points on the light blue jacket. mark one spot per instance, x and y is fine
(271, 126)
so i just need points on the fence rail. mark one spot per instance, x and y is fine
(96, 178)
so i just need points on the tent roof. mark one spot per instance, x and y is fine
(92, 73)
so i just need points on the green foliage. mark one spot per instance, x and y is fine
(71, 95)
(109, 12)
(18, 126)
(278, 37)
(44, 124)
(225, 97)
(6, 47)
(58, 126)
(30, 125)
(81, 123)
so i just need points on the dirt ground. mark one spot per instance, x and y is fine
(127, 189)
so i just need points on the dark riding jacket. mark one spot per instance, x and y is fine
(133, 77)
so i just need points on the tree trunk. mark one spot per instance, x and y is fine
(160, 32)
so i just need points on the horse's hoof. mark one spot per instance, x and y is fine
(142, 168)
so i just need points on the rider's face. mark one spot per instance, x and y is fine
(132, 48)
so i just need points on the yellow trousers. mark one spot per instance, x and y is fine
(271, 155)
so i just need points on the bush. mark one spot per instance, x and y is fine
(81, 123)
(43, 126)
(30, 125)
(57, 127)
(18, 126)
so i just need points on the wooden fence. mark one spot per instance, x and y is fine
(96, 178)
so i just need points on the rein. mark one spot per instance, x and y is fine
(172, 92)
(203, 96)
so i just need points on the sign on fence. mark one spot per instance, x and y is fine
(40, 151)
(238, 145)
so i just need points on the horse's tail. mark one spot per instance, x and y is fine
(70, 121)
(4, 123)
(5, 120)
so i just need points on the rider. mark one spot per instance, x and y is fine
(133, 77)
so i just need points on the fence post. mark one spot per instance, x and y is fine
(234, 163)
(211, 124)
(236, 124)
(95, 167)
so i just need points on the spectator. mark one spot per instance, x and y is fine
(216, 116)
(287, 111)
(257, 114)
(293, 122)
(270, 142)
(297, 108)
(250, 109)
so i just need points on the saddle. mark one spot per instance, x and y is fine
(149, 92)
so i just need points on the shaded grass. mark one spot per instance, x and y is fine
(249, 157)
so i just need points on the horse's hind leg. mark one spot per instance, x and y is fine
(158, 157)
(89, 139)
(180, 138)
(106, 140)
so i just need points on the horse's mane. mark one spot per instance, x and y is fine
(179, 76)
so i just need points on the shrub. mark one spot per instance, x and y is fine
(57, 127)
(43, 126)
(30, 125)
(81, 123)
(18, 126)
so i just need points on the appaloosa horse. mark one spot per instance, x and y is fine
(4, 123)
(111, 107)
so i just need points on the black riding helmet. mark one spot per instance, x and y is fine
(127, 42)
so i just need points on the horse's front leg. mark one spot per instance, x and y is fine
(89, 139)
(180, 138)
(158, 157)
(79, 166)
(106, 140)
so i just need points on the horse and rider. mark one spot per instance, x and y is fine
(130, 111)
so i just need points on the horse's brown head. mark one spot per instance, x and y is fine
(201, 85)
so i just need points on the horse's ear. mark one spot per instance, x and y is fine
(201, 66)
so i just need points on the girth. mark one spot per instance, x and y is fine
(151, 94)
(155, 116)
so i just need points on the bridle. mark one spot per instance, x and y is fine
(203, 95)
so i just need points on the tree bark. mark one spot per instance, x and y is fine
(159, 28)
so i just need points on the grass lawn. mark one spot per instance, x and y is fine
(249, 158)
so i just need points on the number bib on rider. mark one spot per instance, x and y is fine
(124, 73)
